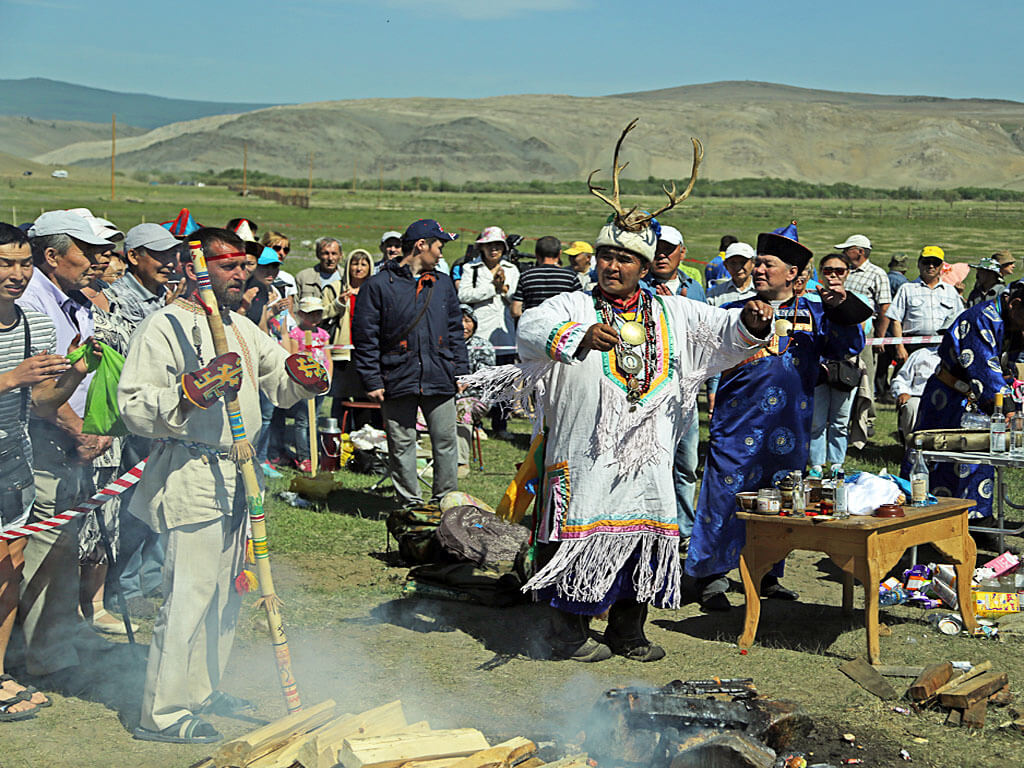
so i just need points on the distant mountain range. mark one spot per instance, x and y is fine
(53, 100)
(749, 129)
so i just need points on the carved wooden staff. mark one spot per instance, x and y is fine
(244, 456)
(314, 449)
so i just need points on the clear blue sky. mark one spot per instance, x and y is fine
(311, 50)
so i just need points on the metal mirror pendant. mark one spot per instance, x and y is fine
(632, 333)
(631, 363)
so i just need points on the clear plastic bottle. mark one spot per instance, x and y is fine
(997, 427)
(840, 508)
(918, 477)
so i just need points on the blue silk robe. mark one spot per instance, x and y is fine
(760, 431)
(971, 349)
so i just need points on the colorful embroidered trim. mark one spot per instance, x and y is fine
(561, 338)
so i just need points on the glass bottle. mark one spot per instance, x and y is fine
(918, 477)
(997, 427)
(799, 495)
(840, 509)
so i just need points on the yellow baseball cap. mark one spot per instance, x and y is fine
(578, 246)
(933, 252)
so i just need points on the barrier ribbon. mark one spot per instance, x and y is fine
(115, 488)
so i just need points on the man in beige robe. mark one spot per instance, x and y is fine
(190, 490)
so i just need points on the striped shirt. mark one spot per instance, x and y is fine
(43, 338)
(540, 283)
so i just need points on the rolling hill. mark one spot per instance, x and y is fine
(749, 129)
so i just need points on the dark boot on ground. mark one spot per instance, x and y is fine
(711, 593)
(569, 638)
(770, 587)
(625, 633)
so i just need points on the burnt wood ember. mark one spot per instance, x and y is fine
(654, 726)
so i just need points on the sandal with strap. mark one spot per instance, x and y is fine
(188, 730)
(220, 703)
(7, 716)
(31, 690)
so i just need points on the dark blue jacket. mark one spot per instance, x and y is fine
(424, 361)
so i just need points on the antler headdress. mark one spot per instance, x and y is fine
(635, 220)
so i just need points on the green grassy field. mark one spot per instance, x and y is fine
(966, 230)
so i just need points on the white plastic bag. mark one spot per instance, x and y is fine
(868, 492)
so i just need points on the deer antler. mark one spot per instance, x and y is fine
(614, 201)
(673, 200)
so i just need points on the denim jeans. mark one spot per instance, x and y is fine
(684, 475)
(300, 429)
(830, 425)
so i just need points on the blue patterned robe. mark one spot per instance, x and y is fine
(970, 349)
(761, 428)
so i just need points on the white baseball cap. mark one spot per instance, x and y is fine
(66, 223)
(391, 235)
(855, 241)
(671, 235)
(100, 226)
(746, 250)
(311, 304)
(151, 236)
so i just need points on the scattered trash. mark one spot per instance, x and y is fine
(293, 499)
(901, 710)
(905, 755)
(947, 623)
(849, 738)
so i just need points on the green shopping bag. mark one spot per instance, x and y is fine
(101, 414)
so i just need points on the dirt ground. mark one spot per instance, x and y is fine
(354, 638)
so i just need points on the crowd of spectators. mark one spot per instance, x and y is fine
(393, 331)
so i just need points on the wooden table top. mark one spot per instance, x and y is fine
(944, 507)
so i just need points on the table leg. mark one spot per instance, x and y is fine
(964, 573)
(871, 573)
(751, 595)
(847, 593)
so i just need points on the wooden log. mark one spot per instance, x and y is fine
(972, 691)
(868, 678)
(985, 666)
(533, 762)
(571, 761)
(500, 755)
(263, 740)
(897, 670)
(1002, 697)
(954, 717)
(974, 715)
(322, 751)
(930, 680)
(391, 751)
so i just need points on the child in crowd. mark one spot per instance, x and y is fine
(309, 316)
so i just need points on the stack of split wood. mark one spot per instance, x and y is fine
(965, 695)
(320, 737)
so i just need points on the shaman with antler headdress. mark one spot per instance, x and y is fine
(634, 229)
(614, 376)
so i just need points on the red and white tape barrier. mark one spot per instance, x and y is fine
(884, 341)
(114, 488)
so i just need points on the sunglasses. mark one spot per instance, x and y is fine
(282, 249)
(834, 270)
(931, 262)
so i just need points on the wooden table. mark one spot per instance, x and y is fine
(864, 548)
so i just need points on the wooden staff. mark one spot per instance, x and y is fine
(314, 453)
(244, 456)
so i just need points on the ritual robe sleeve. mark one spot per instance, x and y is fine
(715, 338)
(554, 329)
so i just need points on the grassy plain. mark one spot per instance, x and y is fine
(356, 639)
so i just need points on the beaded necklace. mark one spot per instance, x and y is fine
(639, 368)
(197, 337)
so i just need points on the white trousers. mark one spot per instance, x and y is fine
(195, 629)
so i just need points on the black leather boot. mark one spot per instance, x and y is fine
(570, 639)
(625, 633)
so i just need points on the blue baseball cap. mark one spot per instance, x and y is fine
(424, 229)
(269, 256)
